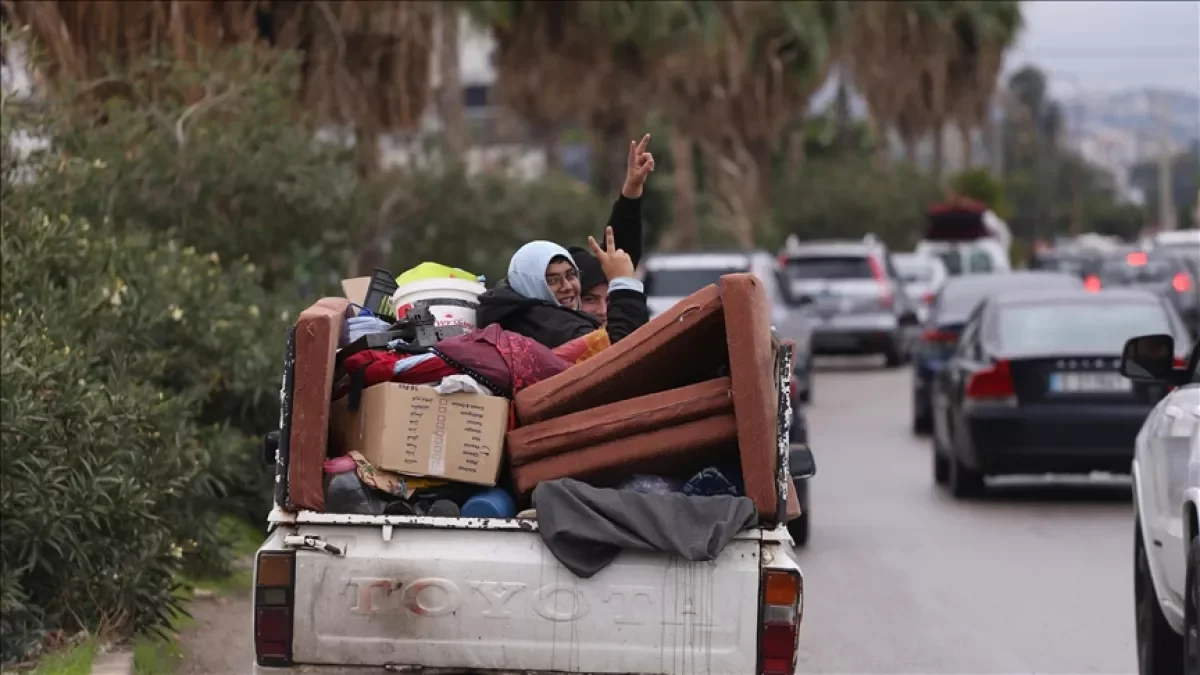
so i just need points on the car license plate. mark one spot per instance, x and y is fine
(1089, 383)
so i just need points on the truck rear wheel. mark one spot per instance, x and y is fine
(1159, 648)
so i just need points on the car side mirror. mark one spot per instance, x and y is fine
(1149, 358)
(801, 463)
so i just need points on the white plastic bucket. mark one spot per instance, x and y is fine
(452, 302)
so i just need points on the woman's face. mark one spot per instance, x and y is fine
(563, 280)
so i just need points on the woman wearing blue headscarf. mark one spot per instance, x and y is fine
(540, 297)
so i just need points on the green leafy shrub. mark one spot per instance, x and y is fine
(478, 222)
(851, 198)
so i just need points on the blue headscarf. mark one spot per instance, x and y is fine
(527, 269)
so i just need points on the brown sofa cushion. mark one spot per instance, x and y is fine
(755, 393)
(619, 420)
(317, 332)
(672, 451)
(674, 349)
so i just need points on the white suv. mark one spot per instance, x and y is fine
(1166, 484)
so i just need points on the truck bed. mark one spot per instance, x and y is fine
(485, 594)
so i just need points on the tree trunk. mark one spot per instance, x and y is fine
(795, 154)
(375, 240)
(683, 179)
(735, 186)
(610, 150)
(762, 157)
(939, 149)
(841, 111)
(552, 145)
(910, 149)
(968, 150)
(451, 90)
(883, 149)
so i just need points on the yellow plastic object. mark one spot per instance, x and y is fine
(431, 270)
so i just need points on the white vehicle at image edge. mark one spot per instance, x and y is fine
(362, 594)
(1166, 485)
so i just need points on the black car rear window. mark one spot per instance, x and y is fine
(1077, 328)
(683, 282)
(829, 267)
(957, 300)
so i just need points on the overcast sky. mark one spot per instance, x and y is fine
(1105, 45)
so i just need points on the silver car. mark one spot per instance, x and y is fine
(923, 277)
(860, 299)
(671, 277)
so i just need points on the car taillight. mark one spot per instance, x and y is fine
(991, 384)
(274, 598)
(1180, 362)
(928, 298)
(1182, 283)
(1092, 283)
(885, 289)
(782, 598)
(934, 336)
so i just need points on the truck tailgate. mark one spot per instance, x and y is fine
(497, 599)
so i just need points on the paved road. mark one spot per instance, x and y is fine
(901, 578)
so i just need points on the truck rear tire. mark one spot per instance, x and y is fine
(1159, 647)
(798, 528)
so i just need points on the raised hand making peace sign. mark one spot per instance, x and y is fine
(614, 261)
(638, 167)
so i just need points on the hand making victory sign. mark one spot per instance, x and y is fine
(614, 261)
(638, 167)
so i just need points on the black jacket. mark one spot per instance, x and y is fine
(554, 325)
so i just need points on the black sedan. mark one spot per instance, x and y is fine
(947, 314)
(1168, 274)
(1034, 386)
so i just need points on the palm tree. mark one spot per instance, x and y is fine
(735, 85)
(983, 31)
(366, 64)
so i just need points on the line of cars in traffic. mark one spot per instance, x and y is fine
(1091, 363)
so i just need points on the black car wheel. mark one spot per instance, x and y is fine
(1191, 615)
(893, 353)
(1159, 648)
(965, 482)
(922, 425)
(941, 467)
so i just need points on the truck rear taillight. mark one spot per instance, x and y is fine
(781, 607)
(274, 600)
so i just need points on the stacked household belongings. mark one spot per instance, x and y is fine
(693, 388)
(675, 428)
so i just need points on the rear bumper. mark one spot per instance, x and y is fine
(1054, 439)
(856, 333)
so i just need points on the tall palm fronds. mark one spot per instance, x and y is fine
(738, 82)
(366, 64)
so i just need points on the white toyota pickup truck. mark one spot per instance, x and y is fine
(374, 594)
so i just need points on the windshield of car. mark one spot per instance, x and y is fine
(671, 283)
(913, 269)
(1066, 265)
(829, 267)
(1077, 328)
(1138, 269)
(952, 261)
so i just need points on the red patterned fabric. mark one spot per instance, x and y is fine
(508, 359)
(378, 365)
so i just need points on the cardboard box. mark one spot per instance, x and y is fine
(416, 431)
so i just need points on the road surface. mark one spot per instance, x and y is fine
(899, 577)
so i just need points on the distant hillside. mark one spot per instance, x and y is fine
(1135, 113)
